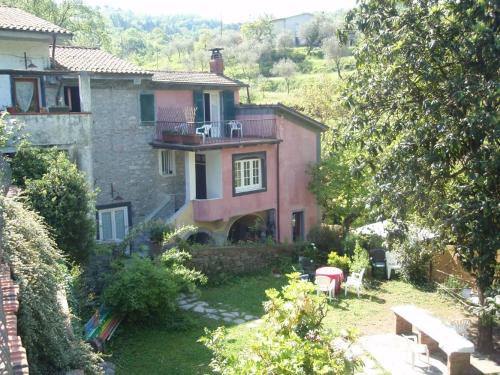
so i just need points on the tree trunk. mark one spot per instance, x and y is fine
(248, 95)
(337, 64)
(484, 342)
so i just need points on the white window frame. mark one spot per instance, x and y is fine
(171, 156)
(113, 223)
(243, 188)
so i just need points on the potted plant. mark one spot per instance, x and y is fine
(171, 136)
(192, 139)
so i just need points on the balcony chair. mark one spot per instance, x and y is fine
(325, 285)
(354, 281)
(377, 259)
(392, 263)
(236, 126)
(204, 130)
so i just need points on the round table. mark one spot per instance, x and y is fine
(333, 273)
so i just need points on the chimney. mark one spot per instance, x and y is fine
(216, 61)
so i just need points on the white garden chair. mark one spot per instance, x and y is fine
(204, 131)
(391, 263)
(461, 326)
(415, 349)
(354, 281)
(325, 285)
(236, 126)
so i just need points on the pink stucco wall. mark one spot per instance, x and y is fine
(229, 206)
(173, 99)
(297, 153)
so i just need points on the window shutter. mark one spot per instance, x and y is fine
(228, 105)
(147, 108)
(198, 104)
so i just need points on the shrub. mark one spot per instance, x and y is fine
(340, 261)
(360, 260)
(415, 258)
(38, 267)
(55, 189)
(145, 290)
(325, 239)
(290, 340)
(454, 283)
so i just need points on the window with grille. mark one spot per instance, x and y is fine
(167, 162)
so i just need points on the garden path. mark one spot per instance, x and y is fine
(231, 316)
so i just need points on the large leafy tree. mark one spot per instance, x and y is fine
(424, 106)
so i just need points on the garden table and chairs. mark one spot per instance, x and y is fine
(334, 274)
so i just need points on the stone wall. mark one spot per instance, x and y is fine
(125, 164)
(238, 260)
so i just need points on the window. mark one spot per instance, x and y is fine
(147, 102)
(26, 95)
(113, 223)
(248, 173)
(167, 162)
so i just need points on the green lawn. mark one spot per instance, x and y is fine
(157, 350)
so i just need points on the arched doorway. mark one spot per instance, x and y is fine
(247, 228)
(201, 238)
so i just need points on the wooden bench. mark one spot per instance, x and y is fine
(435, 334)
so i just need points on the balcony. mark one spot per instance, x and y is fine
(212, 135)
(54, 129)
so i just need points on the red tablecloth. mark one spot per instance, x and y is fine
(333, 273)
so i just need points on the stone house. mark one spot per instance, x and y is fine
(292, 26)
(175, 146)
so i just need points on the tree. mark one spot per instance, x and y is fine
(424, 105)
(285, 68)
(284, 41)
(317, 29)
(87, 24)
(39, 269)
(55, 188)
(260, 30)
(335, 50)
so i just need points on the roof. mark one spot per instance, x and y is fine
(195, 78)
(288, 111)
(18, 20)
(82, 59)
(295, 15)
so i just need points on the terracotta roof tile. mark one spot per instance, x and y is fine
(195, 78)
(82, 59)
(18, 20)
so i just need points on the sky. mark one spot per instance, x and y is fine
(227, 10)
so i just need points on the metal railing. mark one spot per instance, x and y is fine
(232, 131)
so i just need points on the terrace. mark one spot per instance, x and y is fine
(191, 136)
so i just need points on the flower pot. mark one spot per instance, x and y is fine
(191, 139)
(171, 137)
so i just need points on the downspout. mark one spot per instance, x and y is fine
(278, 192)
(52, 63)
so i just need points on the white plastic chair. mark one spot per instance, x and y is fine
(391, 263)
(414, 349)
(236, 126)
(354, 281)
(325, 285)
(204, 131)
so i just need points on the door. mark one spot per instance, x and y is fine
(72, 98)
(298, 226)
(212, 111)
(201, 176)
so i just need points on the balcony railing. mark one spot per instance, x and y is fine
(234, 131)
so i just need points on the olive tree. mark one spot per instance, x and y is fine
(285, 68)
(423, 105)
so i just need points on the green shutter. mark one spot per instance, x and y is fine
(228, 105)
(147, 108)
(198, 104)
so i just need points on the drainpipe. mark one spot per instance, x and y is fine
(52, 63)
(278, 192)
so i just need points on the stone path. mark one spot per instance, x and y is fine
(223, 313)
(192, 303)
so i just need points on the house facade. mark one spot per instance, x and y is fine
(174, 146)
(292, 25)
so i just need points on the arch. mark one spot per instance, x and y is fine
(246, 228)
(200, 237)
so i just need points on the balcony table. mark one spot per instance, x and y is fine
(333, 273)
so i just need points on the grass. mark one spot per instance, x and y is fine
(158, 350)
